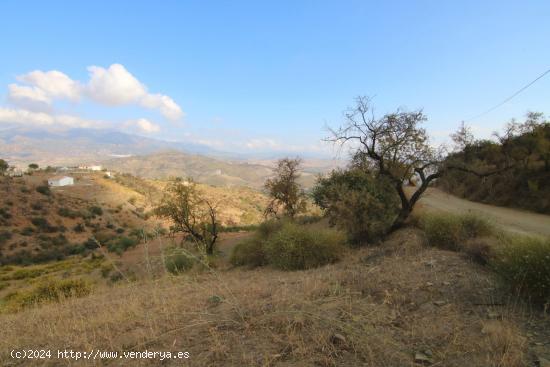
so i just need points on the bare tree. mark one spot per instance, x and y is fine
(284, 190)
(191, 213)
(397, 147)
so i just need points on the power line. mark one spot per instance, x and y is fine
(509, 98)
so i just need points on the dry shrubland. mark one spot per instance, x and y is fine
(380, 306)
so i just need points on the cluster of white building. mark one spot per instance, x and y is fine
(91, 168)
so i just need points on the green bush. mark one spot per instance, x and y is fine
(27, 231)
(79, 228)
(44, 190)
(95, 210)
(121, 244)
(296, 247)
(177, 261)
(267, 228)
(68, 213)
(51, 291)
(43, 225)
(4, 213)
(249, 252)
(5, 236)
(356, 201)
(451, 232)
(524, 263)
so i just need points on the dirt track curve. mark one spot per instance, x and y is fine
(513, 220)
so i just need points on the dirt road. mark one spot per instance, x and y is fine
(513, 220)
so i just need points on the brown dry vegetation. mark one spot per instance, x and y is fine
(377, 307)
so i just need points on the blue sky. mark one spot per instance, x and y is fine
(269, 75)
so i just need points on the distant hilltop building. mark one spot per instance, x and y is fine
(60, 181)
(15, 172)
(91, 168)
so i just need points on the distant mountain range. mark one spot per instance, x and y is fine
(75, 146)
(143, 156)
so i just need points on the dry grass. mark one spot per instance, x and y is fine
(377, 307)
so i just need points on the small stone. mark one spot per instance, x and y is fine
(439, 303)
(422, 358)
(429, 284)
(446, 283)
(338, 339)
(430, 263)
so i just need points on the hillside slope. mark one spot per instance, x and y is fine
(390, 306)
(202, 169)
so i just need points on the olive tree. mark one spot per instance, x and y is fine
(284, 190)
(396, 146)
(190, 212)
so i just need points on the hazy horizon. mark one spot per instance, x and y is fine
(257, 79)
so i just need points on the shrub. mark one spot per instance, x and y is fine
(479, 250)
(44, 190)
(267, 228)
(295, 247)
(249, 252)
(43, 225)
(4, 213)
(90, 244)
(5, 236)
(356, 201)
(27, 231)
(524, 263)
(68, 213)
(79, 228)
(238, 228)
(451, 232)
(51, 291)
(177, 261)
(121, 244)
(95, 210)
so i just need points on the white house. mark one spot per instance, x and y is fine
(60, 181)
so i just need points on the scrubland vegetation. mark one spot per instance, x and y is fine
(521, 155)
(364, 279)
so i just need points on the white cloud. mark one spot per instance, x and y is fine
(144, 125)
(54, 84)
(25, 117)
(165, 104)
(114, 86)
(19, 92)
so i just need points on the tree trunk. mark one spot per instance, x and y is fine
(400, 220)
(210, 248)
